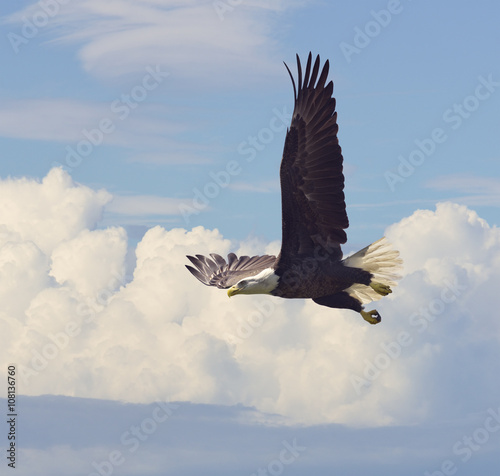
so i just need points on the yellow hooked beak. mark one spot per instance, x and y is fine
(233, 290)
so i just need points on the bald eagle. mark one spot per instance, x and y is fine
(314, 218)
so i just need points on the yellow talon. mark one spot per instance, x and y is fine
(373, 317)
(380, 288)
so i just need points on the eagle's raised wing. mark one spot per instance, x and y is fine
(216, 272)
(313, 206)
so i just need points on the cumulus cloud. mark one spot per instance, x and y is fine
(23, 267)
(51, 211)
(88, 262)
(160, 334)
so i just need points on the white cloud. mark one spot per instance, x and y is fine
(147, 205)
(49, 119)
(119, 42)
(51, 211)
(464, 183)
(91, 260)
(452, 233)
(473, 190)
(183, 153)
(97, 123)
(267, 186)
(23, 274)
(83, 331)
(124, 36)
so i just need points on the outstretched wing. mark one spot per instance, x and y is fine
(216, 272)
(313, 203)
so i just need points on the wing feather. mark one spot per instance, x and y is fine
(219, 260)
(311, 172)
(215, 271)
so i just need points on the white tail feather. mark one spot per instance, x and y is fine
(380, 259)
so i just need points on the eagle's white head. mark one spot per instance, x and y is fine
(262, 283)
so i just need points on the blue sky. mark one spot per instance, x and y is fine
(226, 79)
(168, 119)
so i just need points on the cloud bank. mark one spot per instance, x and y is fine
(77, 325)
(187, 439)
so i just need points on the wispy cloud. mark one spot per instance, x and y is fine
(469, 189)
(140, 205)
(48, 119)
(122, 36)
(179, 153)
(417, 201)
(266, 186)
(151, 128)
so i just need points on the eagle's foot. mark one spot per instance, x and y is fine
(380, 288)
(373, 317)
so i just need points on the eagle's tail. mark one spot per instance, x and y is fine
(382, 261)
